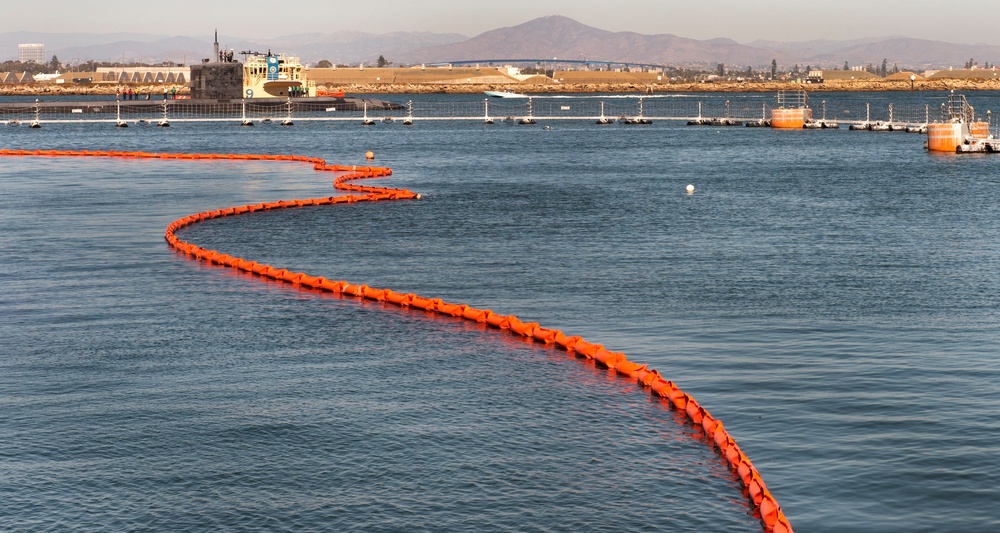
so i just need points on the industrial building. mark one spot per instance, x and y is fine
(31, 52)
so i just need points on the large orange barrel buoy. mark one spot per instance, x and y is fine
(790, 119)
(944, 137)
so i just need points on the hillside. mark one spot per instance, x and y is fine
(545, 37)
(565, 38)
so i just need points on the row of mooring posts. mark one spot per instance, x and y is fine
(891, 124)
(701, 120)
(244, 121)
(163, 121)
(527, 119)
(35, 123)
(805, 120)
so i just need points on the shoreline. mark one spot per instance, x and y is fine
(156, 91)
(681, 88)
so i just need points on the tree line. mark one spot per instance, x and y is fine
(775, 73)
(54, 65)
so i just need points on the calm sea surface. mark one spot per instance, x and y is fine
(832, 296)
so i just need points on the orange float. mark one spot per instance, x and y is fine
(790, 118)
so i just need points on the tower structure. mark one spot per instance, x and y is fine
(34, 52)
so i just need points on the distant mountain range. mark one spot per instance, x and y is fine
(546, 37)
(348, 47)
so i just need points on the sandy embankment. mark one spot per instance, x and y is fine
(156, 91)
(44, 89)
(724, 87)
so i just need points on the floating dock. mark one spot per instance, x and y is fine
(205, 106)
(957, 127)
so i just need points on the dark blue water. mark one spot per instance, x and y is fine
(832, 296)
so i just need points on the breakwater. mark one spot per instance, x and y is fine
(899, 110)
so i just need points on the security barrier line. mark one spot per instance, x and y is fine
(763, 503)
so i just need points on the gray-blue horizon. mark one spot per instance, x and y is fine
(739, 20)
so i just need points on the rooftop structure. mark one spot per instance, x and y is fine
(845, 75)
(142, 74)
(965, 74)
(12, 78)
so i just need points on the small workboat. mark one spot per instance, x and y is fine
(504, 94)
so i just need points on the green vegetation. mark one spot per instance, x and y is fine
(54, 65)
(30, 66)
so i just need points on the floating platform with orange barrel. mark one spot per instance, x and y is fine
(792, 111)
(959, 131)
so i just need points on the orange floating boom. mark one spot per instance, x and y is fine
(765, 505)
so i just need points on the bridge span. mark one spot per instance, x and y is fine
(554, 60)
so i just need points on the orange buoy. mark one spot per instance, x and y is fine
(369, 155)
(790, 119)
(944, 137)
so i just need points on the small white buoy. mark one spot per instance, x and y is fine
(690, 189)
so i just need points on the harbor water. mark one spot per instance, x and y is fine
(832, 296)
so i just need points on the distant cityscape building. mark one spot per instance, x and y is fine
(31, 52)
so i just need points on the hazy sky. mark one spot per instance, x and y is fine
(742, 20)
